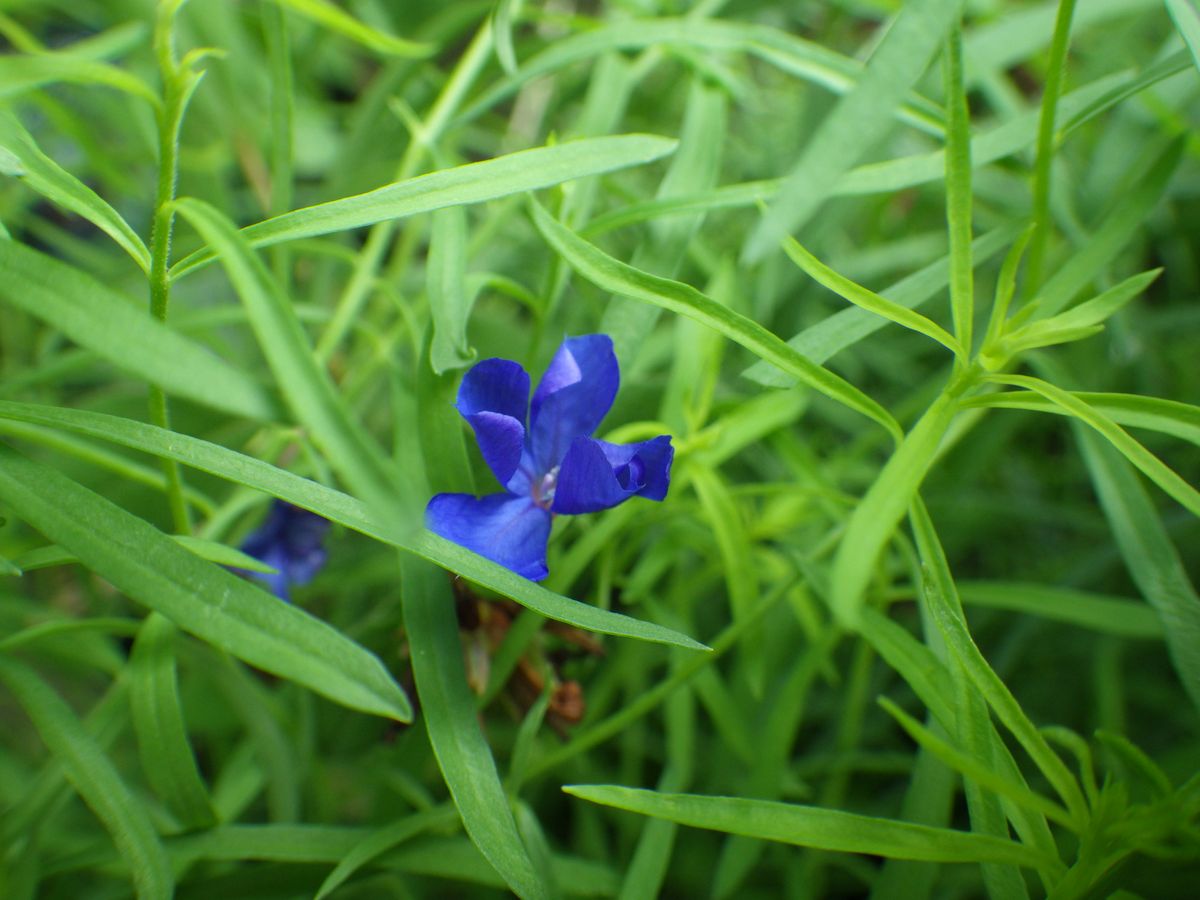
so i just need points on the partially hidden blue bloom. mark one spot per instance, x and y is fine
(291, 541)
(544, 455)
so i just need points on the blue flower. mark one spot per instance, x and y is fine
(551, 466)
(291, 540)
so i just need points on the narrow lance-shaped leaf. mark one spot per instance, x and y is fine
(462, 752)
(809, 826)
(115, 329)
(206, 600)
(339, 507)
(333, 17)
(947, 613)
(93, 775)
(868, 300)
(612, 275)
(514, 173)
(57, 185)
(1151, 466)
(1181, 420)
(1149, 555)
(167, 757)
(883, 506)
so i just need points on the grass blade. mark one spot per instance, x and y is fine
(808, 826)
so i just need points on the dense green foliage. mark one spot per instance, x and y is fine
(912, 286)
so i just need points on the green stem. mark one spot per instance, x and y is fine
(958, 197)
(170, 115)
(1045, 143)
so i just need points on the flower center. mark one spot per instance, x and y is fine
(543, 489)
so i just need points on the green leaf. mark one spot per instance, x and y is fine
(449, 301)
(857, 121)
(868, 300)
(1187, 19)
(310, 392)
(213, 551)
(56, 184)
(1181, 420)
(942, 600)
(449, 709)
(883, 506)
(199, 597)
(95, 316)
(19, 73)
(333, 17)
(809, 826)
(843, 329)
(1122, 223)
(94, 777)
(796, 56)
(972, 768)
(167, 757)
(1110, 615)
(1150, 465)
(514, 173)
(381, 841)
(1149, 556)
(343, 509)
(615, 276)
(1079, 322)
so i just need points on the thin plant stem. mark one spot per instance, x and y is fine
(1045, 144)
(958, 196)
(170, 115)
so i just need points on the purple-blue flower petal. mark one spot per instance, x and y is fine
(290, 540)
(507, 529)
(494, 398)
(573, 397)
(597, 475)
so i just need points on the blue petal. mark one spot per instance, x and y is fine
(277, 582)
(507, 529)
(597, 475)
(573, 397)
(494, 397)
(290, 540)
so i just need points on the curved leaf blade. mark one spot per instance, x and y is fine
(95, 778)
(95, 316)
(201, 598)
(810, 826)
(345, 510)
(513, 173)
